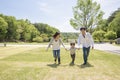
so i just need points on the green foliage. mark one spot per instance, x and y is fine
(99, 35)
(23, 30)
(3, 28)
(69, 36)
(45, 37)
(115, 24)
(86, 14)
(111, 24)
(46, 29)
(102, 25)
(111, 35)
(38, 39)
(112, 16)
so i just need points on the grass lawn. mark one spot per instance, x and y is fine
(117, 44)
(37, 64)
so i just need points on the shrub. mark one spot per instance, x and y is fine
(38, 39)
(110, 35)
(99, 35)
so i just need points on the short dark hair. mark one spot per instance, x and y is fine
(56, 34)
(72, 43)
(82, 28)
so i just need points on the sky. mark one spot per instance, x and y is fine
(56, 13)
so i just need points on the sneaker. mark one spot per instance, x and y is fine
(84, 63)
(55, 60)
(59, 63)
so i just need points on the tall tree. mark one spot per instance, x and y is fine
(115, 25)
(12, 27)
(102, 25)
(112, 16)
(87, 14)
(3, 28)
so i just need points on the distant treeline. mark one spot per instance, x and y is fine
(67, 37)
(12, 29)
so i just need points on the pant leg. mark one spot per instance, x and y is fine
(54, 54)
(85, 54)
(58, 55)
(88, 51)
(73, 57)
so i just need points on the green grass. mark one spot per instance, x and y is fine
(116, 44)
(37, 64)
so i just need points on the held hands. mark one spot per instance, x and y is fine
(92, 47)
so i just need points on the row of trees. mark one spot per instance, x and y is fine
(12, 29)
(69, 36)
(108, 28)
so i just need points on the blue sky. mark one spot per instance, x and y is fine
(56, 13)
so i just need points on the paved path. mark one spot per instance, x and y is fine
(103, 47)
(108, 47)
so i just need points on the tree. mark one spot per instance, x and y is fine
(86, 14)
(115, 24)
(12, 27)
(45, 37)
(111, 35)
(27, 30)
(112, 16)
(3, 28)
(38, 39)
(102, 25)
(99, 35)
(46, 29)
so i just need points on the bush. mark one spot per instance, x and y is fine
(45, 37)
(38, 39)
(110, 35)
(99, 35)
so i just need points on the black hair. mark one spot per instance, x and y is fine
(56, 34)
(72, 43)
(82, 28)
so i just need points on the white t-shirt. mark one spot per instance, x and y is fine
(56, 44)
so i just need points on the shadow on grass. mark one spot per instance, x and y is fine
(53, 65)
(85, 66)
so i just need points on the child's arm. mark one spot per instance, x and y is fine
(78, 48)
(67, 49)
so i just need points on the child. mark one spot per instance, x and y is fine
(72, 51)
(56, 43)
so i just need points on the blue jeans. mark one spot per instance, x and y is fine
(86, 53)
(56, 54)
